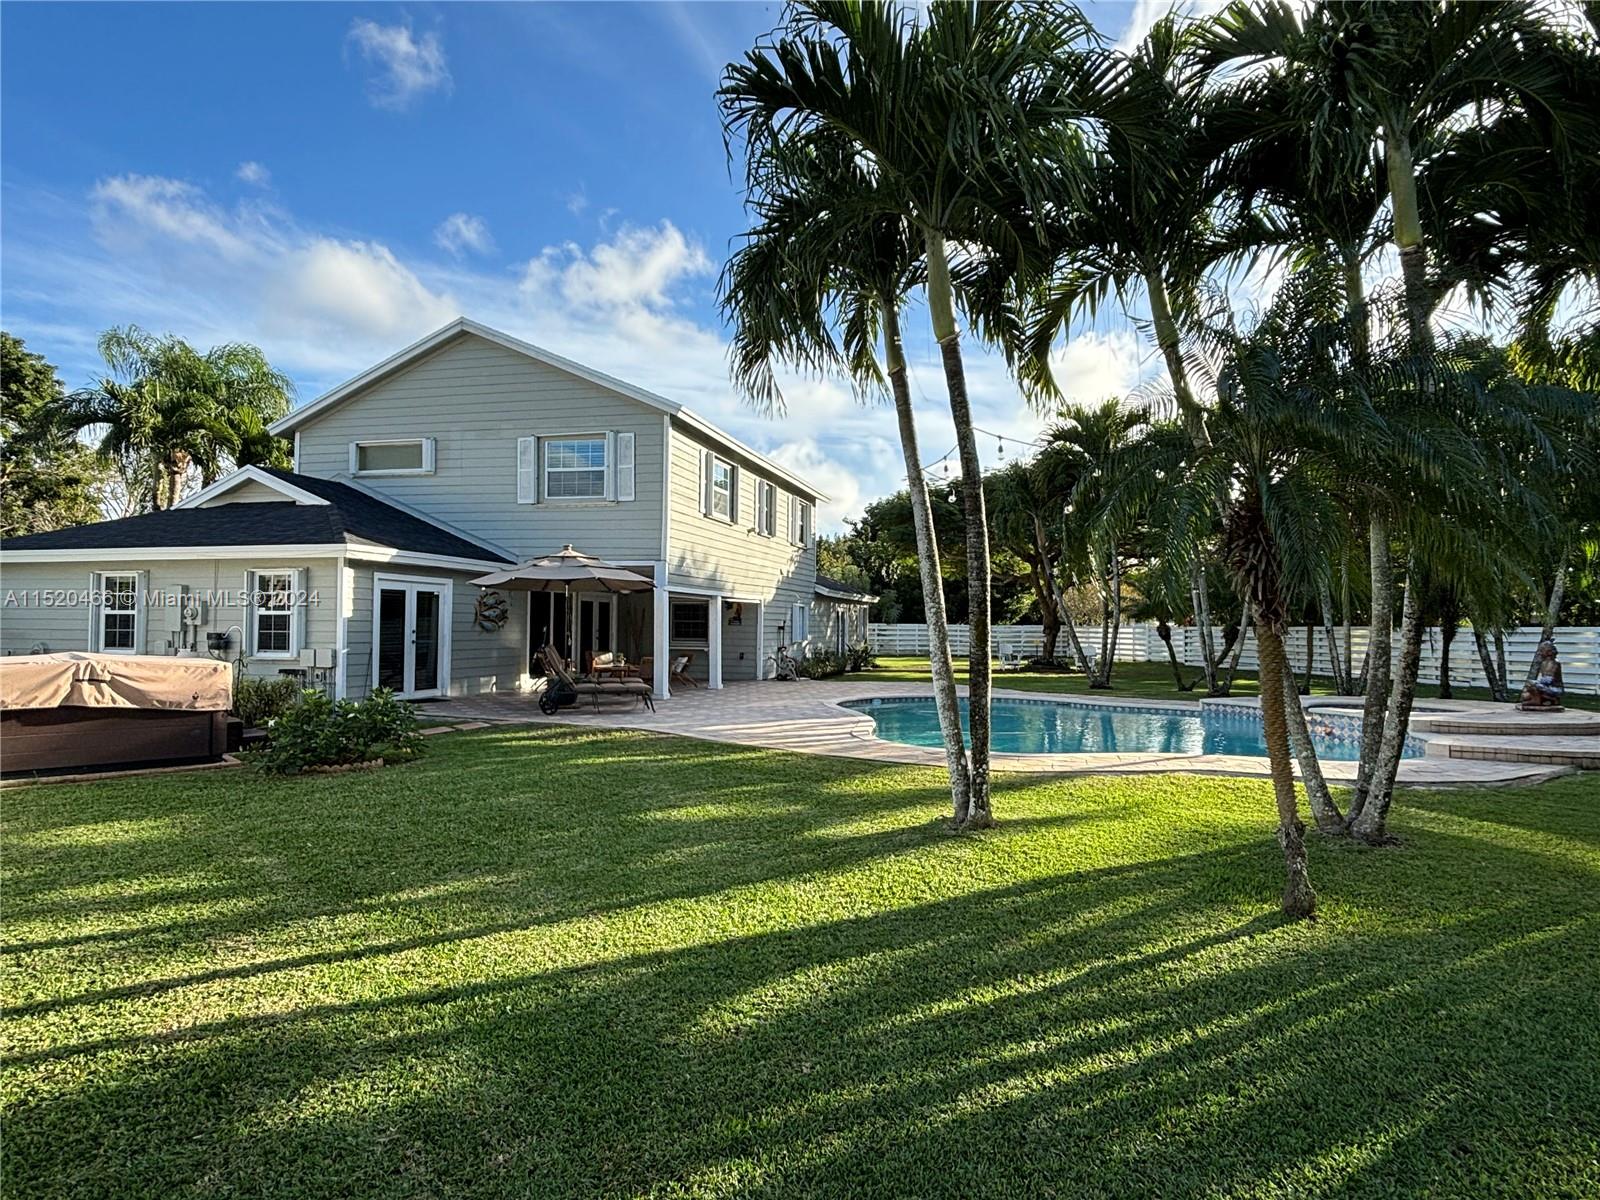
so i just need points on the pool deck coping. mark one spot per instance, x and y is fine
(807, 716)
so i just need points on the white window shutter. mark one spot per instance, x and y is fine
(94, 613)
(794, 519)
(625, 466)
(297, 622)
(427, 455)
(706, 461)
(527, 470)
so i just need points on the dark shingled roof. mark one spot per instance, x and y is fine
(350, 514)
(838, 585)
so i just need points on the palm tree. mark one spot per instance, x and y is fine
(166, 408)
(1092, 440)
(992, 90)
(1028, 510)
(802, 269)
(1276, 437)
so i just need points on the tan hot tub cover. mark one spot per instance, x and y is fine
(115, 681)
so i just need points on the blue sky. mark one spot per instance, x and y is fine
(333, 181)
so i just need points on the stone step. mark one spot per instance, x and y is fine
(1510, 725)
(1580, 752)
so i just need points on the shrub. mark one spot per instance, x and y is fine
(821, 664)
(316, 732)
(257, 701)
(860, 658)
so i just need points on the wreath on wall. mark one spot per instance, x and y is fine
(491, 611)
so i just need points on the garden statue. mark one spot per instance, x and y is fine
(1544, 690)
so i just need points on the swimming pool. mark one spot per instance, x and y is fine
(1065, 727)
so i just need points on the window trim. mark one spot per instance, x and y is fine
(731, 492)
(545, 441)
(427, 444)
(256, 610)
(101, 612)
(673, 639)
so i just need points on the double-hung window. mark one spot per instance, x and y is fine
(766, 508)
(800, 521)
(721, 489)
(691, 621)
(118, 626)
(575, 468)
(272, 614)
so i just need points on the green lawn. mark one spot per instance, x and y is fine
(1149, 681)
(548, 962)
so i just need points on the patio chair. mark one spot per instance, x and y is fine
(565, 690)
(679, 671)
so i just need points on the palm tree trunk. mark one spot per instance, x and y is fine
(1323, 809)
(1371, 823)
(941, 307)
(1200, 600)
(1408, 237)
(1116, 620)
(1298, 898)
(1497, 683)
(1348, 629)
(1049, 614)
(1166, 330)
(1164, 632)
(1226, 684)
(944, 683)
(1341, 681)
(1379, 652)
(1063, 616)
(1311, 657)
(1552, 613)
(1500, 661)
(1447, 635)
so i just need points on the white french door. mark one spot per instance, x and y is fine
(411, 636)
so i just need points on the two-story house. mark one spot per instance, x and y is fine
(462, 453)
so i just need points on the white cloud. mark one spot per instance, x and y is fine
(254, 174)
(407, 67)
(1145, 13)
(359, 287)
(153, 206)
(638, 268)
(460, 232)
(577, 201)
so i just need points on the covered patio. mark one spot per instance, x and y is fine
(588, 609)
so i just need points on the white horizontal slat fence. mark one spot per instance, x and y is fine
(1579, 648)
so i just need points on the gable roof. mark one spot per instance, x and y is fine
(336, 515)
(462, 326)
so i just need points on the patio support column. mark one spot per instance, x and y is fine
(660, 649)
(714, 648)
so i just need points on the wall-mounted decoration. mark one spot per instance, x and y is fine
(491, 611)
(735, 612)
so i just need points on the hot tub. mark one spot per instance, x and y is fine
(70, 711)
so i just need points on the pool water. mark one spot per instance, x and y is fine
(1062, 727)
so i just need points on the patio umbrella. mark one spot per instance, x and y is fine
(566, 572)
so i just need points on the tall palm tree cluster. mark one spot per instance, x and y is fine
(1390, 165)
(168, 414)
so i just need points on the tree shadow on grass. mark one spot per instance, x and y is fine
(1096, 1033)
